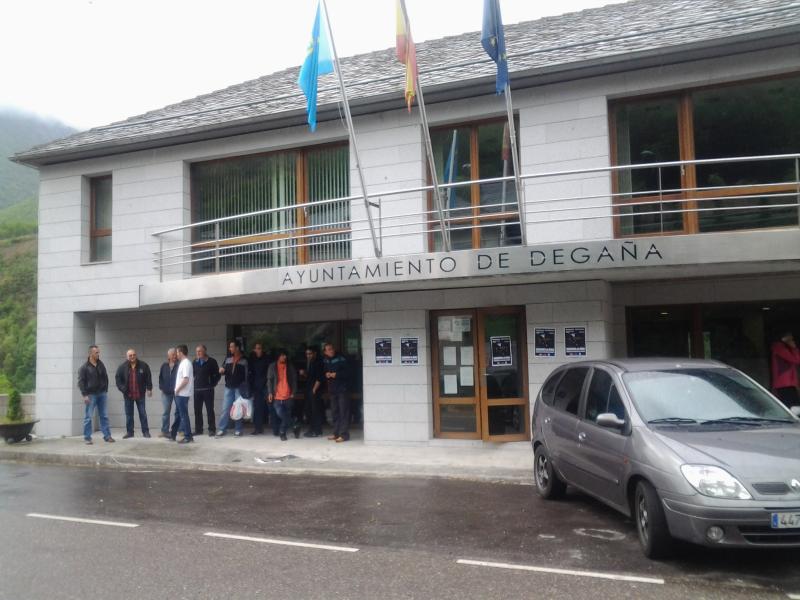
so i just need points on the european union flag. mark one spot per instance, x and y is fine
(318, 62)
(493, 41)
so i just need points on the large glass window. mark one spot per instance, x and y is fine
(299, 225)
(100, 219)
(479, 216)
(743, 120)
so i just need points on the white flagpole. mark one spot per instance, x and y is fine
(367, 204)
(515, 161)
(426, 134)
(450, 171)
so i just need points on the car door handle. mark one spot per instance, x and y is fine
(581, 437)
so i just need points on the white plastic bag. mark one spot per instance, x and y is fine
(242, 408)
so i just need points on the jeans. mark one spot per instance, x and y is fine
(274, 421)
(101, 402)
(230, 398)
(284, 409)
(204, 398)
(182, 404)
(340, 411)
(166, 403)
(129, 415)
(259, 408)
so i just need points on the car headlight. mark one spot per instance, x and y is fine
(714, 482)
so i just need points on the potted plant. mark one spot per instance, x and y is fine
(15, 427)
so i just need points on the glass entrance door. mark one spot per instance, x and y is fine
(480, 378)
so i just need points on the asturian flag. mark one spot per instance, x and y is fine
(318, 62)
(493, 40)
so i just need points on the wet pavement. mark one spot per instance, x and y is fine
(410, 534)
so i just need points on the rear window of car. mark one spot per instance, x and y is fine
(568, 391)
(549, 387)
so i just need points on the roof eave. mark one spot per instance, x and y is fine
(773, 38)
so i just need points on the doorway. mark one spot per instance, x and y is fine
(480, 377)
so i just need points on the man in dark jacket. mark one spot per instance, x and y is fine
(281, 388)
(335, 371)
(133, 379)
(315, 380)
(259, 364)
(93, 384)
(166, 383)
(206, 378)
(235, 369)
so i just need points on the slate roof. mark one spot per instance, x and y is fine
(552, 44)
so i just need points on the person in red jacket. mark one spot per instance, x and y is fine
(785, 360)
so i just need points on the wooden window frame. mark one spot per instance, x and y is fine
(690, 194)
(475, 218)
(301, 202)
(94, 232)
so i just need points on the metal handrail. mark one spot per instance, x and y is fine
(423, 222)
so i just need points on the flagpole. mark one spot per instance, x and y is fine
(426, 134)
(367, 204)
(515, 161)
(450, 171)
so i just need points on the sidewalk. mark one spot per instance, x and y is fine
(510, 463)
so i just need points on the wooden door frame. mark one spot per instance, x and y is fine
(483, 362)
(479, 401)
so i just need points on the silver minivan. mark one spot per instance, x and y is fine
(690, 449)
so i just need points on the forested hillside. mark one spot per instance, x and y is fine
(18, 241)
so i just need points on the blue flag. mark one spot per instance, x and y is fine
(318, 62)
(493, 41)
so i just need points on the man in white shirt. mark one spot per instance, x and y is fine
(184, 384)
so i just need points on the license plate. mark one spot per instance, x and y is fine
(785, 520)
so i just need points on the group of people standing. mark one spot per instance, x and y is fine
(271, 385)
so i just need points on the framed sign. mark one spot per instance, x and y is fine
(383, 351)
(409, 351)
(544, 341)
(575, 341)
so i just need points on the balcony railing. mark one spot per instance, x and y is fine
(620, 201)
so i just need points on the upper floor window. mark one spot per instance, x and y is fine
(748, 119)
(478, 215)
(288, 188)
(100, 219)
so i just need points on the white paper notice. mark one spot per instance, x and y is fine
(467, 356)
(449, 356)
(467, 379)
(451, 384)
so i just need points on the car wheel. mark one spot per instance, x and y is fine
(548, 484)
(651, 524)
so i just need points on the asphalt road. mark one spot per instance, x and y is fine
(325, 537)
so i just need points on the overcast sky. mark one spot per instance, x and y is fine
(92, 62)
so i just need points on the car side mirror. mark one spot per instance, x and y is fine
(795, 411)
(610, 420)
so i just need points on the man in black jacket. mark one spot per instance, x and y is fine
(134, 380)
(166, 383)
(235, 369)
(206, 378)
(259, 363)
(315, 380)
(93, 384)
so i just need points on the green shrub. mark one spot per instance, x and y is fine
(14, 412)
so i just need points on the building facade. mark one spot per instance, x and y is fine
(659, 216)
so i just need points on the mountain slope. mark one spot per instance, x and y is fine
(20, 131)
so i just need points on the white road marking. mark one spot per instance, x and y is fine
(79, 520)
(794, 596)
(595, 574)
(281, 542)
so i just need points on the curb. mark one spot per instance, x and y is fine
(299, 467)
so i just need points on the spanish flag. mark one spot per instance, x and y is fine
(406, 52)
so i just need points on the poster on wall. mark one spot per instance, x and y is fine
(544, 341)
(383, 351)
(575, 341)
(409, 351)
(501, 350)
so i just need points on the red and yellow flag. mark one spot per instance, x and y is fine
(406, 52)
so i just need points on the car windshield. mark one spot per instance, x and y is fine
(702, 396)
